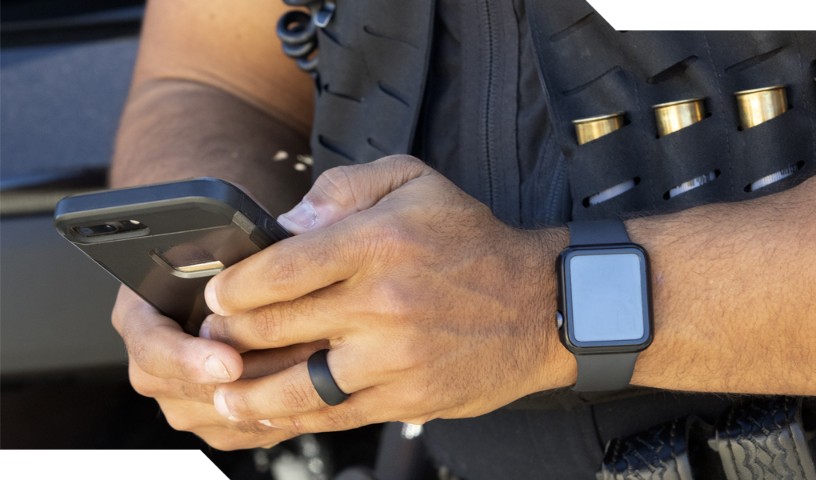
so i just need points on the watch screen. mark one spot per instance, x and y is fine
(607, 298)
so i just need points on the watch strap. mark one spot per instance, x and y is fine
(604, 372)
(597, 232)
(612, 371)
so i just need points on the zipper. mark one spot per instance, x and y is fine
(555, 207)
(489, 102)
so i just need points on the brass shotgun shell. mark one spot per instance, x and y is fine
(761, 104)
(589, 129)
(674, 116)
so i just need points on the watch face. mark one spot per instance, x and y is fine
(606, 298)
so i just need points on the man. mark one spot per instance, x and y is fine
(430, 306)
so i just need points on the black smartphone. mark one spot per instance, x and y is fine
(165, 241)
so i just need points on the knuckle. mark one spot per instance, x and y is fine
(409, 356)
(418, 397)
(218, 328)
(141, 382)
(183, 361)
(238, 404)
(297, 396)
(396, 239)
(117, 318)
(268, 325)
(385, 241)
(336, 419)
(393, 300)
(226, 289)
(281, 271)
(144, 389)
(194, 391)
(215, 441)
(388, 233)
(251, 427)
(296, 425)
(406, 167)
(418, 421)
(179, 421)
(223, 441)
(291, 426)
(187, 372)
(119, 313)
(335, 184)
(408, 162)
(135, 348)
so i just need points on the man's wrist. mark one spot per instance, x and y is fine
(556, 366)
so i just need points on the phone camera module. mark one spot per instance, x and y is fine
(96, 230)
(111, 230)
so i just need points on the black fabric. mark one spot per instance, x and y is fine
(502, 152)
(471, 107)
(372, 69)
(518, 444)
(373, 56)
(556, 443)
(589, 69)
(486, 117)
(517, 153)
(545, 198)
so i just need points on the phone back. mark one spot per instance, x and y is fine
(166, 241)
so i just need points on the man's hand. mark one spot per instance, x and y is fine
(431, 306)
(181, 372)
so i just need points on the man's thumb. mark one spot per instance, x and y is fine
(343, 191)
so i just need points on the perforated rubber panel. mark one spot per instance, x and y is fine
(765, 440)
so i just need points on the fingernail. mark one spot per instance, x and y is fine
(301, 218)
(216, 369)
(212, 299)
(220, 403)
(268, 424)
(204, 331)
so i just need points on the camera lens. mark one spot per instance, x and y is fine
(96, 230)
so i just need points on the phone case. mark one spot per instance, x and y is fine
(165, 241)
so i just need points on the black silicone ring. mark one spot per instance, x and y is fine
(322, 379)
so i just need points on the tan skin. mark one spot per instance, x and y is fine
(431, 306)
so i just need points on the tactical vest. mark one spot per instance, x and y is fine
(524, 72)
(373, 67)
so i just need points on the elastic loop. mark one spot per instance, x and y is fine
(296, 27)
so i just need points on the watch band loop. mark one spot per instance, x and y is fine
(604, 372)
(597, 232)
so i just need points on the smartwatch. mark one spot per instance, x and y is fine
(604, 303)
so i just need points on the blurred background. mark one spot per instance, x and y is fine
(65, 69)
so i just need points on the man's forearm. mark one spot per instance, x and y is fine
(734, 289)
(175, 129)
(734, 295)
